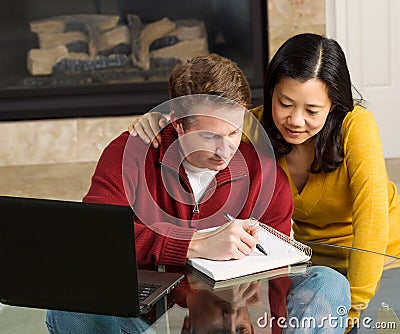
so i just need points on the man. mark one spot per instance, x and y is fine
(201, 171)
(202, 142)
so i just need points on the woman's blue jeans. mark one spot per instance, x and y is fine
(318, 302)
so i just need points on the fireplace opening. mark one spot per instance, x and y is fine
(91, 58)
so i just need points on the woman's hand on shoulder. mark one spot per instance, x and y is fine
(148, 127)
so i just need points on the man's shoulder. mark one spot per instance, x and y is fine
(121, 139)
(281, 175)
(127, 147)
(258, 162)
(125, 141)
(249, 152)
(246, 148)
(265, 160)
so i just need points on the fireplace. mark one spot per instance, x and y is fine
(42, 75)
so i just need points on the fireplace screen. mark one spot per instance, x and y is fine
(50, 48)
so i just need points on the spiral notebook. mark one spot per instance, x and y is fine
(281, 249)
(210, 284)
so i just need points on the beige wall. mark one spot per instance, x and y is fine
(57, 141)
(82, 140)
(289, 17)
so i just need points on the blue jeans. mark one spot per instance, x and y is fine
(61, 322)
(321, 293)
(318, 302)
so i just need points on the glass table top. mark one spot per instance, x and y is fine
(253, 304)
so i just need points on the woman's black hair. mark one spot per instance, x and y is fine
(304, 57)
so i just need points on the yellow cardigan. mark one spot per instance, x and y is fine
(356, 206)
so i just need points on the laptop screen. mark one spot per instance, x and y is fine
(67, 255)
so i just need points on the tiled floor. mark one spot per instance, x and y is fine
(66, 182)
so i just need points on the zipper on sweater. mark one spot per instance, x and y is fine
(196, 214)
(196, 210)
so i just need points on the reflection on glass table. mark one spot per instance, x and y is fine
(265, 311)
(255, 305)
(260, 304)
(381, 313)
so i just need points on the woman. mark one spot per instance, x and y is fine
(331, 151)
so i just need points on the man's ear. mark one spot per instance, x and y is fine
(178, 127)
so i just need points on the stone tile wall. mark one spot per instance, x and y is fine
(289, 17)
(57, 141)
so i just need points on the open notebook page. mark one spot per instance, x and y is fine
(280, 253)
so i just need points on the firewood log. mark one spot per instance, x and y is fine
(143, 36)
(91, 25)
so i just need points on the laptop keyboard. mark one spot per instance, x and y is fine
(146, 289)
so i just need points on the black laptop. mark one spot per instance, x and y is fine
(74, 256)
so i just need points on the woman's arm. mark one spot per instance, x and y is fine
(370, 210)
(148, 127)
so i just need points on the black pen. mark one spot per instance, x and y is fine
(258, 246)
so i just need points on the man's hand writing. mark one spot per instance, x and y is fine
(233, 240)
